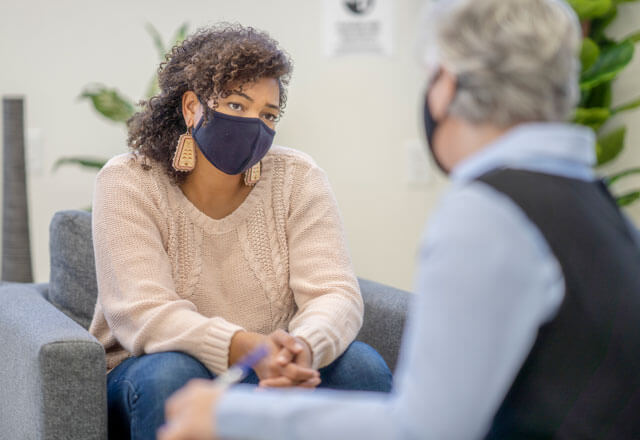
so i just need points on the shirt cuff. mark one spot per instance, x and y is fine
(319, 344)
(216, 345)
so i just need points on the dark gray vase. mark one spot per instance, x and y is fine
(16, 245)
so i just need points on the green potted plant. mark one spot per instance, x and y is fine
(113, 105)
(603, 58)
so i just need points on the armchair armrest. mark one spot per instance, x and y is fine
(52, 371)
(385, 310)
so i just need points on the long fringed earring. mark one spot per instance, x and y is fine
(184, 159)
(252, 175)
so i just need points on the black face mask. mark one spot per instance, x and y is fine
(232, 144)
(431, 125)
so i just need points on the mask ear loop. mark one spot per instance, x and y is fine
(432, 82)
(430, 123)
(435, 124)
(206, 111)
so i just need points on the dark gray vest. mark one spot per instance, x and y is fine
(581, 380)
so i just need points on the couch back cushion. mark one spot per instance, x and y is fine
(72, 288)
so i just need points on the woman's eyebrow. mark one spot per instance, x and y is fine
(249, 98)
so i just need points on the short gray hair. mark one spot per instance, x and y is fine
(515, 60)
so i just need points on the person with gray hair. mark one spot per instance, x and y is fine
(524, 323)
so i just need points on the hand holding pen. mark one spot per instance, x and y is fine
(189, 412)
(238, 371)
(191, 408)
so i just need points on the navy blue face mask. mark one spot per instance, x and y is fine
(431, 125)
(232, 144)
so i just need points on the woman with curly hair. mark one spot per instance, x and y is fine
(209, 242)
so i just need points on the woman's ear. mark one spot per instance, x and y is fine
(442, 94)
(191, 110)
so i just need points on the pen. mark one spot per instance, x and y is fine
(240, 369)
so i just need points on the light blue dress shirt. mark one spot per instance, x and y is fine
(487, 281)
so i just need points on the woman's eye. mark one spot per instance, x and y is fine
(270, 117)
(235, 106)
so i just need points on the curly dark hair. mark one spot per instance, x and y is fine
(213, 63)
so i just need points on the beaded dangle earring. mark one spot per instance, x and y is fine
(184, 159)
(252, 175)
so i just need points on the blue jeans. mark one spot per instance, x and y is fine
(138, 388)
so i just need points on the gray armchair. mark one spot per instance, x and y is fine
(53, 372)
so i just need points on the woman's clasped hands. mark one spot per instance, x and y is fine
(288, 363)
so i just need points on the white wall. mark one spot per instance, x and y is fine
(353, 114)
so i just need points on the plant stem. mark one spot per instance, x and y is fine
(82, 161)
(586, 28)
(618, 176)
(628, 198)
(627, 106)
(634, 37)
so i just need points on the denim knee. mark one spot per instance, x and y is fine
(138, 388)
(360, 368)
(163, 373)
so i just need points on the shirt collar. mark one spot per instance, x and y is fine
(553, 148)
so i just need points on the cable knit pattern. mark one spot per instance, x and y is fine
(170, 278)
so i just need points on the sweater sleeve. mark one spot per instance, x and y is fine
(324, 285)
(135, 283)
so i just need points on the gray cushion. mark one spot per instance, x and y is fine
(385, 309)
(73, 288)
(52, 372)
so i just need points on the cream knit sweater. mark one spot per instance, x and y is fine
(170, 278)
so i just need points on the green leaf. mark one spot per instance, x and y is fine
(634, 38)
(153, 88)
(181, 33)
(157, 40)
(178, 38)
(621, 175)
(610, 145)
(599, 96)
(589, 53)
(592, 117)
(599, 25)
(628, 198)
(86, 162)
(109, 103)
(626, 107)
(611, 61)
(588, 9)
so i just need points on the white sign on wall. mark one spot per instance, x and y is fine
(358, 27)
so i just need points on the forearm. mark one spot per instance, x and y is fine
(242, 343)
(171, 326)
(245, 414)
(328, 324)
